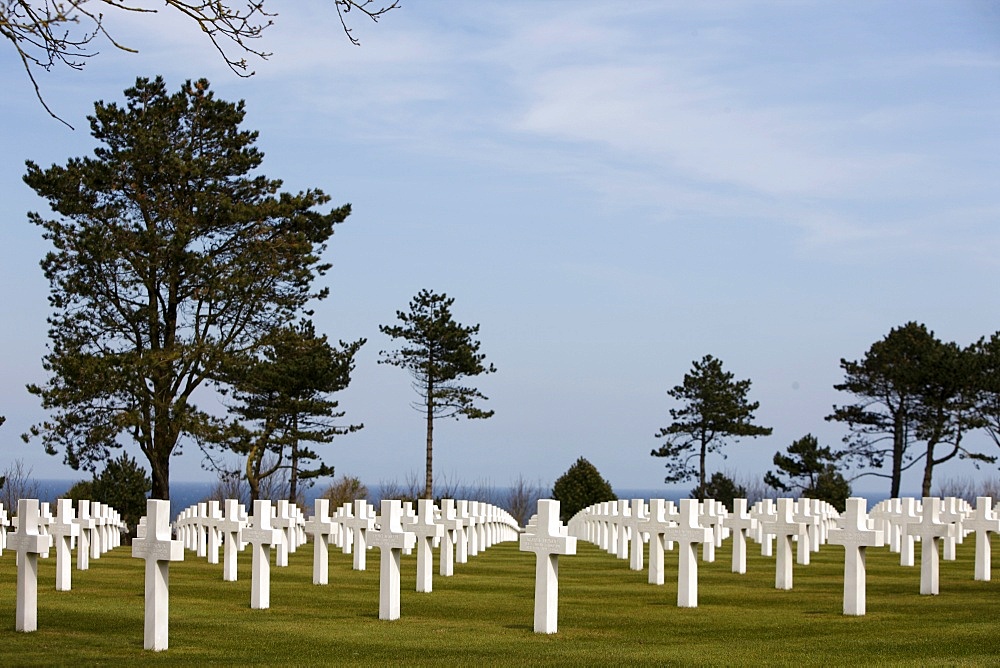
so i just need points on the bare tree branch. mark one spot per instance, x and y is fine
(48, 33)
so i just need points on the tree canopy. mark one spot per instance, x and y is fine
(910, 388)
(986, 367)
(581, 486)
(64, 33)
(282, 403)
(714, 410)
(438, 352)
(169, 258)
(810, 471)
(722, 488)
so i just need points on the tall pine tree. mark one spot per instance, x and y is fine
(169, 257)
(715, 409)
(438, 352)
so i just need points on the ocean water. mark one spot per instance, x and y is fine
(184, 494)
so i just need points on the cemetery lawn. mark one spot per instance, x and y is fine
(608, 615)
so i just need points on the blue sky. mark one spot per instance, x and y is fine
(610, 191)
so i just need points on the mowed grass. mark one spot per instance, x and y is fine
(483, 615)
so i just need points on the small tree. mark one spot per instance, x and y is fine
(811, 472)
(438, 352)
(284, 394)
(581, 486)
(123, 485)
(721, 488)
(345, 489)
(715, 410)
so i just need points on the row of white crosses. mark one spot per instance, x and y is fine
(397, 529)
(36, 530)
(777, 526)
(355, 526)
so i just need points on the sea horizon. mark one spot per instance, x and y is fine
(187, 493)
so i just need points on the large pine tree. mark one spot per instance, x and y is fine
(169, 257)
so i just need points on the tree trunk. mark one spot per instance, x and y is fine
(928, 469)
(159, 463)
(293, 475)
(898, 448)
(253, 478)
(429, 473)
(701, 470)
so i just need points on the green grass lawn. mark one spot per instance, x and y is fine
(608, 615)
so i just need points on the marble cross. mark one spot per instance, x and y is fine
(62, 529)
(158, 549)
(391, 540)
(984, 522)
(930, 530)
(548, 539)
(229, 527)
(688, 534)
(261, 537)
(740, 523)
(322, 528)
(783, 528)
(427, 532)
(853, 533)
(28, 543)
(656, 525)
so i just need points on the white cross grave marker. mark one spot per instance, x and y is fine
(765, 512)
(391, 540)
(931, 531)
(158, 550)
(802, 513)
(85, 535)
(740, 523)
(548, 539)
(321, 527)
(230, 526)
(213, 519)
(464, 537)
(656, 525)
(708, 517)
(853, 533)
(907, 518)
(454, 535)
(688, 533)
(96, 536)
(4, 523)
(283, 520)
(28, 543)
(361, 525)
(635, 521)
(983, 522)
(62, 529)
(261, 536)
(784, 528)
(427, 532)
(624, 538)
